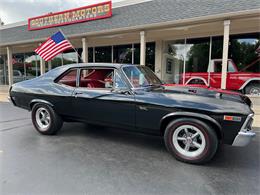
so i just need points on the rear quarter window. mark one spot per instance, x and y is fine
(69, 78)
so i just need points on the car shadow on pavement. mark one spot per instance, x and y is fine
(114, 135)
(226, 156)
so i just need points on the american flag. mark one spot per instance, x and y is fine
(53, 46)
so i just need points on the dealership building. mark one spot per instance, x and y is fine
(169, 36)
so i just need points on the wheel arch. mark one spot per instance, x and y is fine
(205, 118)
(200, 78)
(248, 82)
(35, 101)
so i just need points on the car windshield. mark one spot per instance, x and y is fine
(141, 76)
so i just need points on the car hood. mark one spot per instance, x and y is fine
(193, 98)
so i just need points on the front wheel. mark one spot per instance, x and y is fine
(45, 120)
(191, 140)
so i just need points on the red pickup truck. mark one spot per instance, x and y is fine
(244, 80)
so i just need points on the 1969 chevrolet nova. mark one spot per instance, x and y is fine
(193, 121)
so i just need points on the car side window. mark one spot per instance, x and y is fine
(119, 82)
(99, 78)
(69, 78)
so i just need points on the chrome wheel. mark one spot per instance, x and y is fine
(254, 91)
(189, 141)
(43, 119)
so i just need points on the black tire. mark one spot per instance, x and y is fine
(55, 121)
(252, 89)
(210, 143)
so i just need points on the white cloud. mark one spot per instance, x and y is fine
(18, 10)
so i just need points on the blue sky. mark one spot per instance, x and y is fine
(18, 10)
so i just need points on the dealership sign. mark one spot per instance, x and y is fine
(82, 14)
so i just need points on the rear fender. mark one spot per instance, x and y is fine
(199, 78)
(35, 101)
(248, 82)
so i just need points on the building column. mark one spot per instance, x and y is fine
(10, 65)
(142, 48)
(225, 54)
(49, 65)
(158, 58)
(84, 50)
(42, 66)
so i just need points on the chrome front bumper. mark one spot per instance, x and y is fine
(245, 135)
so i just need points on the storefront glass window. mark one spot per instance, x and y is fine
(150, 55)
(174, 61)
(57, 61)
(19, 68)
(32, 66)
(70, 57)
(90, 54)
(244, 51)
(123, 54)
(103, 54)
(217, 48)
(3, 70)
(197, 55)
(136, 53)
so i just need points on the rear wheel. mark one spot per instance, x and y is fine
(45, 120)
(253, 89)
(191, 140)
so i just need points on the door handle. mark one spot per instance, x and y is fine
(77, 93)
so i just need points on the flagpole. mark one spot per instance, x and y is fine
(71, 45)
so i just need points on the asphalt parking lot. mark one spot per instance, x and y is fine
(88, 160)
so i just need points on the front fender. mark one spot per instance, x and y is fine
(167, 118)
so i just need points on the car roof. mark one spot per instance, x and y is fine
(79, 65)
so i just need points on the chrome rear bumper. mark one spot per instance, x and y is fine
(245, 135)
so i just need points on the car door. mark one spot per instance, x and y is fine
(111, 104)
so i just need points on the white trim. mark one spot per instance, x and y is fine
(248, 81)
(210, 61)
(142, 47)
(225, 54)
(184, 60)
(201, 78)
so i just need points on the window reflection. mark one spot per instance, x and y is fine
(90, 55)
(123, 54)
(70, 57)
(197, 55)
(244, 51)
(57, 61)
(174, 62)
(32, 65)
(150, 55)
(103, 54)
